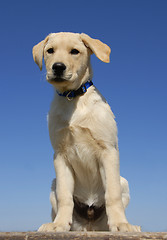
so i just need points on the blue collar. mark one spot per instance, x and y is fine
(74, 93)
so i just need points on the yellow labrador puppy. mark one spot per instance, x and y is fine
(88, 193)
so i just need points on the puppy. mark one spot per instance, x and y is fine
(88, 193)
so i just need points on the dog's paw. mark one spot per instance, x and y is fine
(125, 227)
(54, 227)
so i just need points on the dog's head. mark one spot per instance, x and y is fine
(67, 58)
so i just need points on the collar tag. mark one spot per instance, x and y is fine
(68, 96)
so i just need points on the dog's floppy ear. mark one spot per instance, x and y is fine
(38, 52)
(101, 50)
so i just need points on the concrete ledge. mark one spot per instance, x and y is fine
(81, 236)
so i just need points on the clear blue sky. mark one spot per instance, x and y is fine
(134, 84)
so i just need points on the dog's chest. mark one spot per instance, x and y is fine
(77, 143)
(71, 127)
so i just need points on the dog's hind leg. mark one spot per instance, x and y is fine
(125, 191)
(53, 200)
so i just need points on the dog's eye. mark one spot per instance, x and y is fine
(50, 50)
(74, 51)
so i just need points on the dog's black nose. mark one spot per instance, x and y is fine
(58, 68)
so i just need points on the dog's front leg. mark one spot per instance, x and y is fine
(111, 179)
(64, 192)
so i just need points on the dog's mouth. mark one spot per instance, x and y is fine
(57, 80)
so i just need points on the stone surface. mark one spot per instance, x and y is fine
(81, 236)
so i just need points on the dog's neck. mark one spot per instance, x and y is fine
(71, 94)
